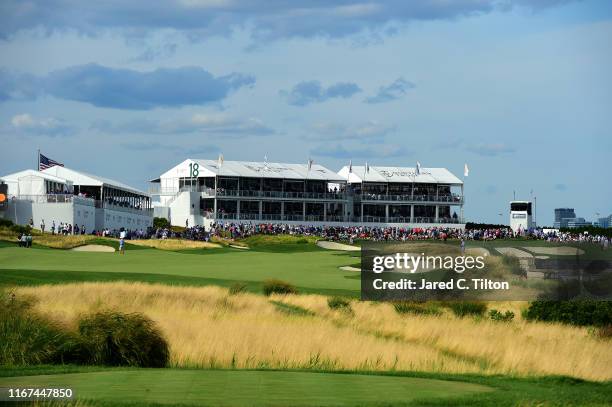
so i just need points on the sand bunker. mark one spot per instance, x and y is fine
(94, 248)
(239, 247)
(556, 250)
(511, 251)
(350, 268)
(478, 251)
(337, 246)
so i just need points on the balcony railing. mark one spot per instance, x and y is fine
(280, 194)
(57, 198)
(453, 199)
(329, 218)
(124, 208)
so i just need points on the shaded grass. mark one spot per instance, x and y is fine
(290, 309)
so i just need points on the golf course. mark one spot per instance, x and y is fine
(231, 345)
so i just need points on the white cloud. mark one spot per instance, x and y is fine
(207, 123)
(372, 131)
(46, 126)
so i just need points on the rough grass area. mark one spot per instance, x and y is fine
(174, 244)
(261, 241)
(57, 241)
(208, 327)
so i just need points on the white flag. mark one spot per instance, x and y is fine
(466, 170)
(367, 168)
(418, 168)
(220, 161)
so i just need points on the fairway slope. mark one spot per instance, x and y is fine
(249, 388)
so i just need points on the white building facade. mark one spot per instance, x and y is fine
(521, 216)
(62, 195)
(198, 192)
(403, 196)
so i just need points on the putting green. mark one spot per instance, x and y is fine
(248, 388)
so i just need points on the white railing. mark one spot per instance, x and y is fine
(452, 199)
(123, 208)
(57, 198)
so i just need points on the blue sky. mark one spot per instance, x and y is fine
(520, 90)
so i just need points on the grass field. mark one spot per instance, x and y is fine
(306, 266)
(207, 327)
(142, 387)
(248, 388)
(217, 339)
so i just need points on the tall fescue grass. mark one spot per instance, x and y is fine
(109, 338)
(47, 239)
(27, 338)
(208, 327)
(117, 339)
(174, 244)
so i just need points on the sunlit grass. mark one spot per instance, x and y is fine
(207, 327)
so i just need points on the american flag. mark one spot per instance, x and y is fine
(45, 162)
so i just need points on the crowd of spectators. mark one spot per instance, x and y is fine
(351, 233)
(235, 230)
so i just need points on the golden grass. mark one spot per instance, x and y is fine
(49, 240)
(207, 327)
(174, 244)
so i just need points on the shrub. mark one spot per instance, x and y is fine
(417, 308)
(20, 229)
(117, 339)
(465, 308)
(278, 287)
(161, 223)
(237, 288)
(7, 223)
(339, 303)
(581, 313)
(496, 315)
(604, 332)
(27, 338)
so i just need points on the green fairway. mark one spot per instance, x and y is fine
(142, 387)
(312, 269)
(247, 388)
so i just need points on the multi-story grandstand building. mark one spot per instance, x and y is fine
(203, 191)
(200, 191)
(62, 195)
(402, 195)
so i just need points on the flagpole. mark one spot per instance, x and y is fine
(38, 159)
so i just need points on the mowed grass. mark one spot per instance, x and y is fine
(207, 327)
(248, 388)
(304, 265)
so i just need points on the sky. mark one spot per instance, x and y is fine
(519, 90)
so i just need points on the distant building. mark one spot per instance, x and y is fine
(521, 216)
(576, 222)
(604, 222)
(566, 218)
(563, 213)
